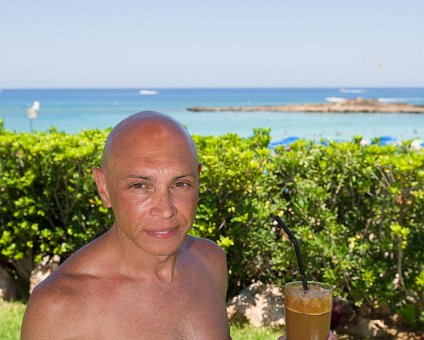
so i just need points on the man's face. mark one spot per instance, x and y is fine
(152, 187)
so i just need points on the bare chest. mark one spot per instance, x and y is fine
(194, 309)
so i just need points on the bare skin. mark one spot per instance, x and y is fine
(145, 278)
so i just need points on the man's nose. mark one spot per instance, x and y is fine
(162, 205)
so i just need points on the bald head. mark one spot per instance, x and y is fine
(150, 179)
(152, 130)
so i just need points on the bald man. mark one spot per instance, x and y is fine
(145, 278)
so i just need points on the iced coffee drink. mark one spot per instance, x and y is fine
(308, 313)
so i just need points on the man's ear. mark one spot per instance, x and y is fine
(100, 179)
(199, 168)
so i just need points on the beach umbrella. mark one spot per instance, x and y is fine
(285, 142)
(384, 140)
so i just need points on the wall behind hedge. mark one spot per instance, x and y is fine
(357, 211)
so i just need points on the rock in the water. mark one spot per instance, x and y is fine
(336, 105)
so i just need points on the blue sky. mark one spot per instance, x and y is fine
(195, 43)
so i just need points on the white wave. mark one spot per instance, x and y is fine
(392, 100)
(352, 91)
(401, 100)
(148, 92)
(335, 99)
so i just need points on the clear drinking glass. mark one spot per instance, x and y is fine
(308, 313)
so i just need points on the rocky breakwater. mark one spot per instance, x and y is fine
(359, 105)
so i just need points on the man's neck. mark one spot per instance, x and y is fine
(132, 261)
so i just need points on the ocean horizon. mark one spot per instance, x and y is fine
(74, 110)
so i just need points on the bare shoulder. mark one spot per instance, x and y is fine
(207, 250)
(56, 303)
(48, 307)
(213, 257)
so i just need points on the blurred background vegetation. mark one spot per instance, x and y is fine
(357, 211)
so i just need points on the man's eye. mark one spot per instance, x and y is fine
(138, 186)
(182, 184)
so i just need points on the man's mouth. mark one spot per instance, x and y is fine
(162, 233)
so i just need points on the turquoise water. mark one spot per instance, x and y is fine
(74, 110)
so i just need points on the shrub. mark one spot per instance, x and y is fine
(359, 214)
(357, 211)
(48, 201)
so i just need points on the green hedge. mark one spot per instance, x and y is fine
(357, 210)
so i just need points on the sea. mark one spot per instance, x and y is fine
(74, 110)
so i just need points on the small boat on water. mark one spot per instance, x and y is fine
(335, 99)
(352, 91)
(148, 92)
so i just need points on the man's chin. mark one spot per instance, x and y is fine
(162, 249)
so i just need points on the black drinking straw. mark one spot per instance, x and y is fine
(296, 249)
